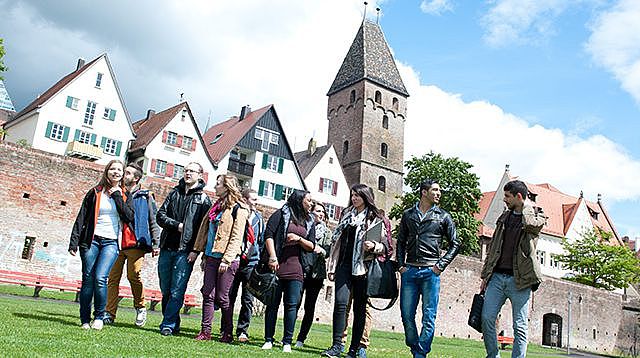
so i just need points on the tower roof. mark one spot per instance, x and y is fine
(369, 58)
(5, 100)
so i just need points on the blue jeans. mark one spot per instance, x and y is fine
(418, 281)
(290, 291)
(96, 264)
(499, 288)
(174, 272)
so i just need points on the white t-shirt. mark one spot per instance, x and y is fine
(108, 223)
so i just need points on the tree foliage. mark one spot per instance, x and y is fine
(460, 194)
(3, 68)
(599, 264)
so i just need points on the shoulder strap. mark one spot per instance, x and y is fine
(234, 212)
(389, 305)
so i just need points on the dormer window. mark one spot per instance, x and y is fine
(593, 213)
(267, 137)
(98, 80)
(217, 138)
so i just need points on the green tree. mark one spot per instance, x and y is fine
(460, 194)
(3, 68)
(599, 264)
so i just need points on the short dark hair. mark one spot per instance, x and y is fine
(516, 186)
(138, 170)
(427, 183)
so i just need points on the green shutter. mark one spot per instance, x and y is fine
(279, 189)
(93, 138)
(103, 143)
(69, 101)
(261, 188)
(48, 132)
(265, 159)
(118, 147)
(112, 114)
(65, 134)
(280, 165)
(76, 136)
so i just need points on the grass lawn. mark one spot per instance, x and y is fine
(50, 326)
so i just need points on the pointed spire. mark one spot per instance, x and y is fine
(5, 100)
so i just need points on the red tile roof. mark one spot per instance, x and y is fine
(232, 131)
(148, 128)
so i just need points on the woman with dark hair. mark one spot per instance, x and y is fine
(359, 238)
(96, 232)
(289, 231)
(316, 271)
(220, 238)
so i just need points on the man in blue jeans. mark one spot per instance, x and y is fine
(511, 269)
(179, 217)
(422, 229)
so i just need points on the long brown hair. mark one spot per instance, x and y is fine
(233, 195)
(366, 193)
(104, 182)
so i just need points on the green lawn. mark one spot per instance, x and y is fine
(49, 326)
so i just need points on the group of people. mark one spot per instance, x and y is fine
(119, 222)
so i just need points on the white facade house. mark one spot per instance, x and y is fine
(324, 178)
(254, 148)
(82, 115)
(169, 140)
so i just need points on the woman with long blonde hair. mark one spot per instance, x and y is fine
(96, 232)
(220, 239)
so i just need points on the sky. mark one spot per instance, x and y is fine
(550, 87)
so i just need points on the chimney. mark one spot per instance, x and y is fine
(150, 112)
(80, 63)
(244, 112)
(312, 146)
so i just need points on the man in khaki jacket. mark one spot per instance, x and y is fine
(511, 269)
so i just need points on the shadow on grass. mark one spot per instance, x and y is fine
(48, 317)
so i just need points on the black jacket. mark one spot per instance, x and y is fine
(186, 207)
(276, 229)
(84, 226)
(419, 242)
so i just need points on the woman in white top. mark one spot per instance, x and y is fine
(96, 232)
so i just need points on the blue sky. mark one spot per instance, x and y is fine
(551, 87)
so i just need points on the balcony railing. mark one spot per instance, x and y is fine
(84, 151)
(241, 167)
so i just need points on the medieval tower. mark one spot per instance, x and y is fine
(366, 110)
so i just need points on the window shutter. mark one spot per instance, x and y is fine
(170, 169)
(69, 102)
(261, 188)
(65, 134)
(321, 185)
(153, 165)
(164, 136)
(179, 141)
(112, 114)
(265, 159)
(335, 188)
(118, 147)
(193, 144)
(104, 142)
(279, 189)
(338, 213)
(280, 165)
(76, 136)
(93, 139)
(48, 132)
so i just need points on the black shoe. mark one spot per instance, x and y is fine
(351, 354)
(334, 352)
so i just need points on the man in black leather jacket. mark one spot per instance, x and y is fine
(179, 216)
(420, 235)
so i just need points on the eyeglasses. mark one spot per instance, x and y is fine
(191, 171)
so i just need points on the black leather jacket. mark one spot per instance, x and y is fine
(419, 242)
(183, 207)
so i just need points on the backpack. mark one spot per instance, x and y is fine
(248, 239)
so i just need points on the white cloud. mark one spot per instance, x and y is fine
(436, 7)
(615, 44)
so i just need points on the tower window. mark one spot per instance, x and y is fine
(352, 97)
(382, 183)
(395, 103)
(378, 97)
(345, 148)
(384, 150)
(385, 122)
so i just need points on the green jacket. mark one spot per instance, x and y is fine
(526, 269)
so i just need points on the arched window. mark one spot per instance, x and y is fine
(385, 122)
(345, 148)
(352, 98)
(378, 97)
(382, 183)
(395, 103)
(384, 150)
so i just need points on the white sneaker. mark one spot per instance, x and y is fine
(286, 348)
(86, 326)
(267, 345)
(299, 344)
(97, 324)
(141, 316)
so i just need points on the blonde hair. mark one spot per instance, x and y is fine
(104, 182)
(233, 194)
